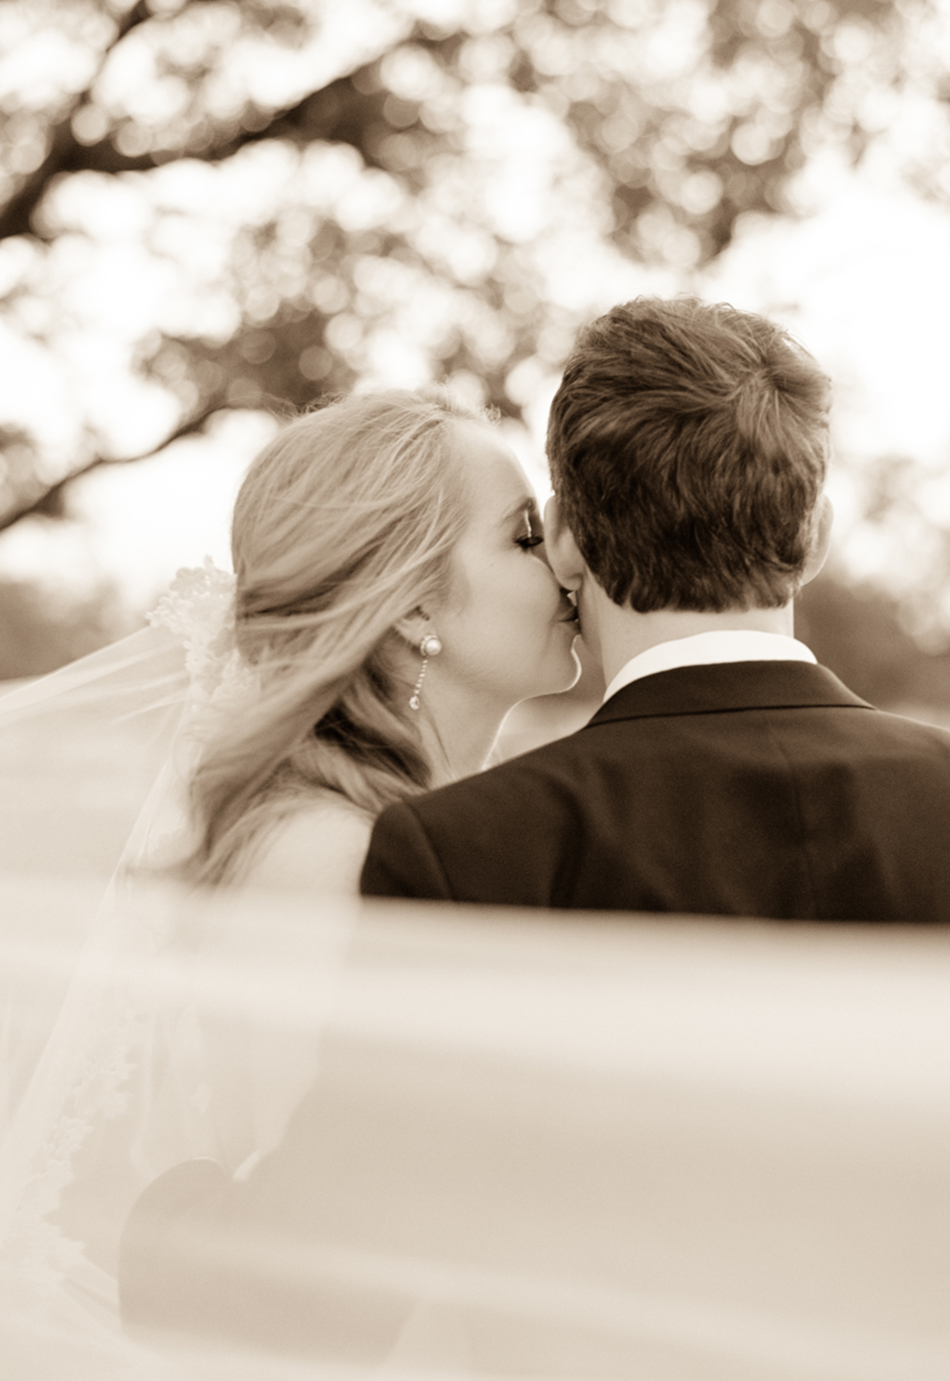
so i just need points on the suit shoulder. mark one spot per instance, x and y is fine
(504, 782)
(919, 731)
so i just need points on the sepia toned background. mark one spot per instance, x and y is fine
(214, 213)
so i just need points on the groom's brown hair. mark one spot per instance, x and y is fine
(688, 446)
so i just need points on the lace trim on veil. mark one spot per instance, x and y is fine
(198, 608)
(79, 1080)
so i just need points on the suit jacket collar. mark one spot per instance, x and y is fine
(725, 686)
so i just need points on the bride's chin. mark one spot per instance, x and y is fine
(567, 676)
(574, 674)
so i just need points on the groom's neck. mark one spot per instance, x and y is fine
(623, 634)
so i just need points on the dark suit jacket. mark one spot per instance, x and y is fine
(744, 789)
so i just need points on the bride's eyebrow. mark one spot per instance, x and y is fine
(525, 508)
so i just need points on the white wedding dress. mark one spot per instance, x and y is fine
(175, 1027)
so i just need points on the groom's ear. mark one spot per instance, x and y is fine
(822, 540)
(562, 552)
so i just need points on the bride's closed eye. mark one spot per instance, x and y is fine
(531, 534)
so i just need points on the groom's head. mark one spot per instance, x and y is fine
(688, 447)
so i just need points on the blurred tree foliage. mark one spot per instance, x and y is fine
(384, 219)
(324, 189)
(41, 630)
(861, 635)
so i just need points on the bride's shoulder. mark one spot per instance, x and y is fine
(316, 845)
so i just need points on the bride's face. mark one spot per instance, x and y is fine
(506, 627)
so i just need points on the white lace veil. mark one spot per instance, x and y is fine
(126, 1042)
(157, 680)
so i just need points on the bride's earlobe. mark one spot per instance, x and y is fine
(430, 645)
(413, 628)
(416, 629)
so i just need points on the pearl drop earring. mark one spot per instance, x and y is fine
(429, 646)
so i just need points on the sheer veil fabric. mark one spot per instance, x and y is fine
(686, 1150)
(132, 1034)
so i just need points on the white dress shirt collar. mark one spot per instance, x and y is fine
(704, 649)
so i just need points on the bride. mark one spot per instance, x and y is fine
(390, 604)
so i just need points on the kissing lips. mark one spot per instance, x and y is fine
(571, 618)
(569, 603)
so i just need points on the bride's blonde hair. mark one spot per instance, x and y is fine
(344, 525)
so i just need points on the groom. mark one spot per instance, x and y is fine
(725, 773)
